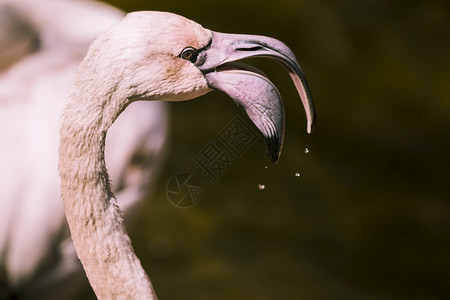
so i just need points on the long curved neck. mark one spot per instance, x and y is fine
(101, 241)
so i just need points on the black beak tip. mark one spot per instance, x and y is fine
(313, 122)
(273, 145)
(273, 157)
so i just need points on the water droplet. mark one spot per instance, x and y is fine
(306, 150)
(261, 186)
(265, 167)
(297, 174)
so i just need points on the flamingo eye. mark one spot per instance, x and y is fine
(190, 54)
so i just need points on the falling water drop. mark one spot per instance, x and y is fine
(261, 186)
(297, 174)
(306, 150)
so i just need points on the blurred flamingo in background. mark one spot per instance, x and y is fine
(42, 42)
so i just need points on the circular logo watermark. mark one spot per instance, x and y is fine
(184, 190)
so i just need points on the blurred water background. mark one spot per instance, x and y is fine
(369, 215)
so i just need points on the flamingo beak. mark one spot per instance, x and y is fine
(249, 87)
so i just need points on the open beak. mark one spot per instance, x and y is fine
(249, 87)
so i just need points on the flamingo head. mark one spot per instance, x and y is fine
(164, 56)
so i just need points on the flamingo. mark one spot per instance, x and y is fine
(42, 42)
(151, 56)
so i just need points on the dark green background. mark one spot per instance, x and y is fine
(369, 217)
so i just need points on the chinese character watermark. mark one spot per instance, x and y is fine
(213, 160)
(224, 150)
(216, 157)
(238, 136)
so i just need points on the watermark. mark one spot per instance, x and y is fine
(184, 190)
(216, 157)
